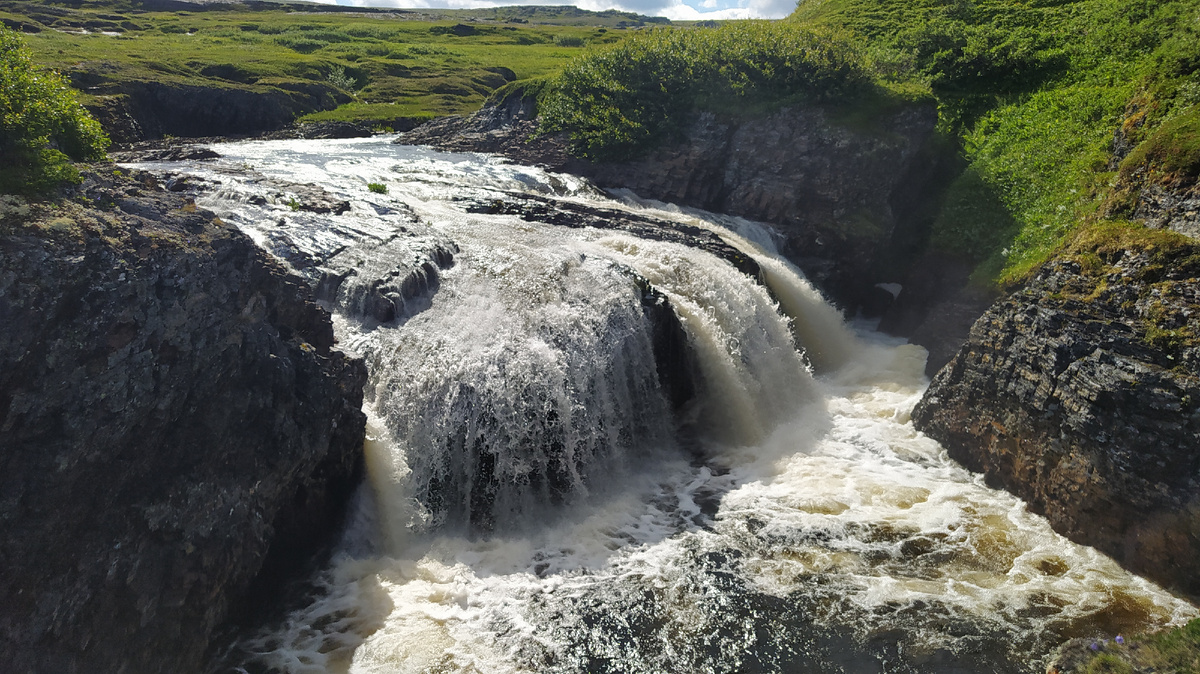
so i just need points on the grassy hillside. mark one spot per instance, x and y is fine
(1043, 98)
(619, 101)
(1037, 93)
(394, 64)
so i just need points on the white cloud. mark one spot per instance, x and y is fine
(672, 9)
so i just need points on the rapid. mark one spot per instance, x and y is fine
(541, 499)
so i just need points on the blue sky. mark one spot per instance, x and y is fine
(672, 9)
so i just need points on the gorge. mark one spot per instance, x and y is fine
(531, 468)
(362, 405)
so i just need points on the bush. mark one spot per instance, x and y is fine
(620, 101)
(42, 125)
(339, 78)
(377, 188)
(989, 58)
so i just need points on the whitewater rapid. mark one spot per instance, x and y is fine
(535, 505)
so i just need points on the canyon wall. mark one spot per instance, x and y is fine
(179, 434)
(853, 198)
(1081, 394)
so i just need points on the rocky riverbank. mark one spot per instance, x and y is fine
(1081, 394)
(180, 434)
(853, 201)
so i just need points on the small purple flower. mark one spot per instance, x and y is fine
(1120, 639)
(1095, 646)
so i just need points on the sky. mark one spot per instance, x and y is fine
(680, 10)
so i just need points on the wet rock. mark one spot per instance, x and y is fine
(576, 215)
(1081, 394)
(384, 281)
(179, 433)
(936, 307)
(674, 358)
(171, 153)
(304, 197)
(322, 130)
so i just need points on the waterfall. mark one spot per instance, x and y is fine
(613, 435)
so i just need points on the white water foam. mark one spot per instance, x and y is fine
(818, 525)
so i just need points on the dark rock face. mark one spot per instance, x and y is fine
(1081, 394)
(177, 430)
(848, 201)
(936, 307)
(135, 111)
(1170, 204)
(507, 127)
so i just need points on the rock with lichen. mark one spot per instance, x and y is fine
(1081, 394)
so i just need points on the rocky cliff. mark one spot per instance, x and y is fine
(1081, 394)
(852, 200)
(137, 110)
(177, 429)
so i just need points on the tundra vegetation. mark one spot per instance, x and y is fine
(391, 67)
(1030, 94)
(42, 125)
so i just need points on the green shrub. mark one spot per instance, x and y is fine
(377, 188)
(42, 125)
(339, 78)
(622, 100)
(993, 58)
(568, 41)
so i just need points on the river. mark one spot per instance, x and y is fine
(537, 501)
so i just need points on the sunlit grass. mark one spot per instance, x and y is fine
(418, 69)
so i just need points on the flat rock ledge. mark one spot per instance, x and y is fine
(177, 433)
(1081, 394)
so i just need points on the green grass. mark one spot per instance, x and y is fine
(1034, 93)
(1173, 149)
(1176, 651)
(392, 66)
(1031, 92)
(620, 101)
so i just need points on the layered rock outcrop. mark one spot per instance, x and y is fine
(1081, 394)
(177, 432)
(850, 200)
(144, 110)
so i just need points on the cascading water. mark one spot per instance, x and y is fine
(592, 451)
